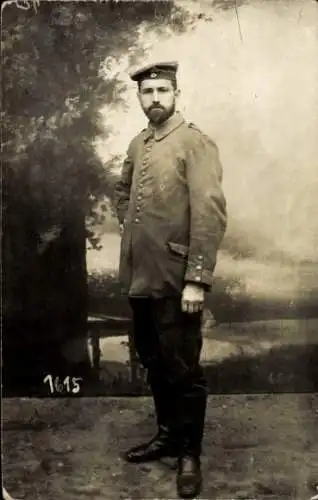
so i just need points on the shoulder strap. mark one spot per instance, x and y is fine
(193, 125)
(203, 134)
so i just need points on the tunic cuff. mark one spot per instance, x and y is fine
(198, 275)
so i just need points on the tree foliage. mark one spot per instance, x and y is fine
(52, 90)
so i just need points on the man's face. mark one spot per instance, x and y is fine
(158, 99)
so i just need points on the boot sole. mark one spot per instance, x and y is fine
(135, 460)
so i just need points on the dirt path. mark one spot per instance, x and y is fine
(255, 447)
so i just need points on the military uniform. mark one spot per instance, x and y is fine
(170, 201)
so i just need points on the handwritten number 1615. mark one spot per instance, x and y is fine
(68, 384)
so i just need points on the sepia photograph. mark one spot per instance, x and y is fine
(159, 249)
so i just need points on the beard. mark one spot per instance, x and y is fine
(158, 114)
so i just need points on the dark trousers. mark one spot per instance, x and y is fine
(168, 343)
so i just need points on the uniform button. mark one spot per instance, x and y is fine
(199, 268)
(136, 220)
(139, 197)
(200, 257)
(197, 278)
(138, 209)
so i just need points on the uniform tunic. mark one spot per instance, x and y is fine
(170, 200)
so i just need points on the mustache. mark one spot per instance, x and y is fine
(155, 106)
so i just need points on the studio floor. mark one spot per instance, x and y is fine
(255, 447)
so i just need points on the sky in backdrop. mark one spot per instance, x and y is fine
(250, 81)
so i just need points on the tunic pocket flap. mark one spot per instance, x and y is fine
(179, 249)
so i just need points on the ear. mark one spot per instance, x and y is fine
(177, 93)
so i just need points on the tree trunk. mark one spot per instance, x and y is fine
(45, 302)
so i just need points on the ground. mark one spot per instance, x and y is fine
(255, 447)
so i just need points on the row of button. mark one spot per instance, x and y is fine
(139, 198)
(142, 174)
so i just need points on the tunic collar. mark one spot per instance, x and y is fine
(165, 129)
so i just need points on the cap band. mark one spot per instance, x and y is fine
(166, 70)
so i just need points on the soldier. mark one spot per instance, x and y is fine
(172, 214)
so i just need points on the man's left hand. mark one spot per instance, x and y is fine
(192, 298)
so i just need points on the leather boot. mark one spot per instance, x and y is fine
(158, 447)
(189, 477)
(192, 407)
(165, 443)
(162, 404)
